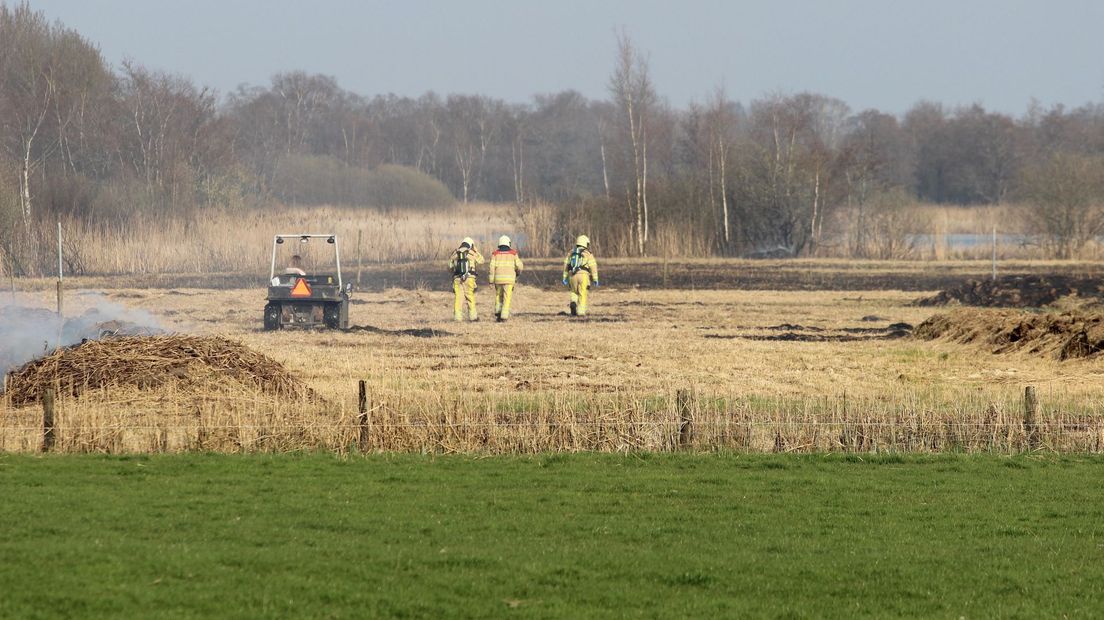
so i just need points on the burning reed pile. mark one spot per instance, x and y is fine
(1032, 291)
(1062, 335)
(27, 332)
(148, 362)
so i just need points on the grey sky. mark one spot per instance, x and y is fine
(870, 53)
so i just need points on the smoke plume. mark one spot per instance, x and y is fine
(27, 332)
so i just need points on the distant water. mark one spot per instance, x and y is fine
(966, 241)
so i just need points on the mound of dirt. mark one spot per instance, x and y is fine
(1062, 335)
(191, 362)
(1024, 291)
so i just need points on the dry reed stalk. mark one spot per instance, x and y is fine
(174, 419)
(241, 241)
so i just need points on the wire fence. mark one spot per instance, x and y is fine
(1052, 426)
(524, 423)
(544, 436)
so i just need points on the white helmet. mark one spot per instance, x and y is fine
(583, 241)
(504, 240)
(468, 241)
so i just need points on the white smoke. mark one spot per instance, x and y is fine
(28, 332)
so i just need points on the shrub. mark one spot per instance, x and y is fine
(317, 180)
(1065, 195)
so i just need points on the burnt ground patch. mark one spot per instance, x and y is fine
(789, 332)
(563, 315)
(725, 274)
(650, 274)
(810, 276)
(416, 332)
(644, 303)
(1017, 291)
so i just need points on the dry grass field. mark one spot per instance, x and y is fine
(768, 370)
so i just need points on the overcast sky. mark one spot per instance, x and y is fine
(883, 54)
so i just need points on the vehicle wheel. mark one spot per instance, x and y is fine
(271, 317)
(331, 316)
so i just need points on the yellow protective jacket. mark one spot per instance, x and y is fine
(474, 260)
(587, 263)
(505, 266)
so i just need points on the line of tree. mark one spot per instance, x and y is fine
(782, 174)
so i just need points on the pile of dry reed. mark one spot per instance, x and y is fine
(150, 362)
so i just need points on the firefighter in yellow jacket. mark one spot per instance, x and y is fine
(580, 271)
(505, 267)
(463, 263)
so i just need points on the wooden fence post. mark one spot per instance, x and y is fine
(48, 436)
(684, 400)
(1031, 411)
(362, 419)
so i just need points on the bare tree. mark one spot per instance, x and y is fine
(26, 41)
(305, 101)
(872, 159)
(633, 93)
(471, 130)
(430, 130)
(602, 150)
(965, 157)
(1066, 201)
(169, 121)
(720, 124)
(516, 130)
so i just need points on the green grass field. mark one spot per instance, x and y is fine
(564, 536)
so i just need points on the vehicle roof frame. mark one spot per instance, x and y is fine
(277, 239)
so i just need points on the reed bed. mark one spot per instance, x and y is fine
(241, 241)
(228, 418)
(238, 241)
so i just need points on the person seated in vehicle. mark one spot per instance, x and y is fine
(295, 268)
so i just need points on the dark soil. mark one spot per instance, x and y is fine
(1019, 291)
(803, 333)
(783, 275)
(797, 276)
(420, 332)
(545, 317)
(1061, 335)
(364, 302)
(778, 275)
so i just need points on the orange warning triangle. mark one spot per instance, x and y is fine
(301, 288)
